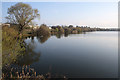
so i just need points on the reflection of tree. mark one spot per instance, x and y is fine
(59, 35)
(66, 34)
(29, 57)
(42, 39)
(32, 39)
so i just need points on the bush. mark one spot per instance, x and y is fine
(11, 45)
(60, 30)
(43, 30)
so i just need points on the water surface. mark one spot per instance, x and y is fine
(89, 55)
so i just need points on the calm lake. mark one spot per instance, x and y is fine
(88, 55)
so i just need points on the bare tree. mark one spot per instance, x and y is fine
(21, 14)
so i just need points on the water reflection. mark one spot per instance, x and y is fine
(72, 59)
(66, 35)
(59, 35)
(29, 57)
(71, 56)
(42, 39)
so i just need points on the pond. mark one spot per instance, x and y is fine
(88, 55)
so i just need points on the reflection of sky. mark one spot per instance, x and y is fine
(94, 14)
(94, 54)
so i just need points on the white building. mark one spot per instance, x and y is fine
(50, 28)
(34, 27)
(5, 24)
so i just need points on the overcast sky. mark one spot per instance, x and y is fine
(93, 14)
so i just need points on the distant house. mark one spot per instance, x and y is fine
(50, 28)
(74, 32)
(5, 24)
(34, 27)
(30, 26)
